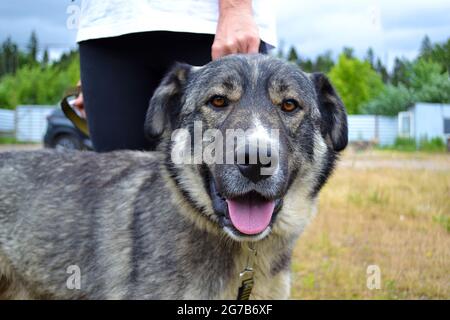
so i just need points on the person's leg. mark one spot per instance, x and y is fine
(116, 89)
(119, 76)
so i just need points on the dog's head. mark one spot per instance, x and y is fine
(250, 140)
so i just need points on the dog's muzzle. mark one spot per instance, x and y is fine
(247, 215)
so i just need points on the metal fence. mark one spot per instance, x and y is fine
(31, 122)
(7, 121)
(370, 128)
(26, 123)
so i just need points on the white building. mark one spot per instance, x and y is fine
(425, 121)
(422, 121)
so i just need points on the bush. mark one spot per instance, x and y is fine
(433, 145)
(404, 144)
(391, 101)
(356, 82)
(34, 84)
(425, 145)
(426, 83)
(9, 140)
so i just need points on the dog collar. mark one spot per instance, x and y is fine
(246, 275)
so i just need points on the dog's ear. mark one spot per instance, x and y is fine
(332, 110)
(166, 101)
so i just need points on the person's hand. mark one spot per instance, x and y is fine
(78, 103)
(237, 31)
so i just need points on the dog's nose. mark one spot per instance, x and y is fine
(251, 165)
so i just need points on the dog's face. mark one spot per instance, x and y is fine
(248, 138)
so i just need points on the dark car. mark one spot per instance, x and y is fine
(62, 134)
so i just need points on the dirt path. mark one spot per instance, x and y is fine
(395, 160)
(396, 164)
(15, 147)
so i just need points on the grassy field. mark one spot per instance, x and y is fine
(380, 208)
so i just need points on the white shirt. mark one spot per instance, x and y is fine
(111, 18)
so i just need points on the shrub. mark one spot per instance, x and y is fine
(404, 144)
(34, 84)
(356, 82)
(425, 144)
(432, 145)
(391, 101)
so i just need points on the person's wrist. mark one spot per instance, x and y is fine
(235, 13)
(235, 8)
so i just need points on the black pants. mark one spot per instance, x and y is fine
(119, 76)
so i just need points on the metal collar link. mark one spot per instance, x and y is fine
(246, 276)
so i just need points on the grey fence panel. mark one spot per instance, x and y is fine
(387, 130)
(371, 128)
(361, 128)
(7, 118)
(31, 122)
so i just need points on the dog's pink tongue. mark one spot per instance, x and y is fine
(250, 216)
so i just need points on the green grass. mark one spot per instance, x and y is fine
(12, 140)
(409, 145)
(432, 145)
(443, 220)
(396, 219)
(8, 140)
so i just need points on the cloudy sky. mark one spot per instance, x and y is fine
(391, 27)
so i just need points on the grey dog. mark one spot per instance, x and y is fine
(138, 225)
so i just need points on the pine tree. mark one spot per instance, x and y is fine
(306, 65)
(426, 48)
(348, 52)
(370, 57)
(33, 48)
(324, 62)
(382, 71)
(400, 72)
(9, 57)
(45, 58)
(293, 56)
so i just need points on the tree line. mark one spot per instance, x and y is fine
(27, 78)
(367, 87)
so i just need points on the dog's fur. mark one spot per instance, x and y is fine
(142, 227)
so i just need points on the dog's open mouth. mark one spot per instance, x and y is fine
(247, 215)
(250, 214)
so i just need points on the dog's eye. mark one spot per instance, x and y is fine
(289, 105)
(219, 101)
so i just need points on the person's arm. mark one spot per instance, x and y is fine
(237, 31)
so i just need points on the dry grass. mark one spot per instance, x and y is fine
(396, 218)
